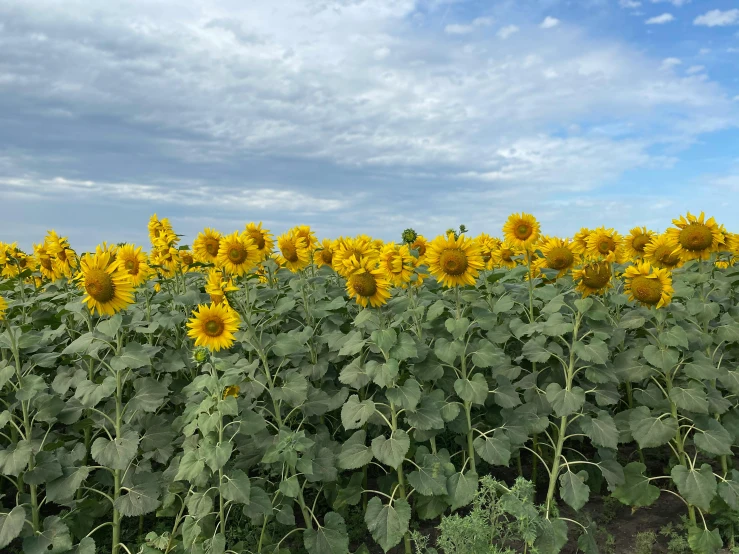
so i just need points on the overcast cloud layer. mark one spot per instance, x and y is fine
(364, 115)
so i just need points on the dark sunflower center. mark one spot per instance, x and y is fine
(524, 231)
(23, 262)
(130, 265)
(606, 245)
(45, 262)
(506, 255)
(62, 255)
(258, 239)
(237, 254)
(216, 298)
(696, 237)
(420, 247)
(560, 258)
(289, 252)
(364, 284)
(211, 247)
(327, 256)
(187, 259)
(596, 276)
(99, 285)
(666, 257)
(648, 291)
(214, 327)
(453, 261)
(639, 242)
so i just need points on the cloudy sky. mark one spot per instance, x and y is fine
(364, 115)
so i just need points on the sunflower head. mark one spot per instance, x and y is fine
(206, 245)
(650, 287)
(696, 237)
(397, 263)
(213, 326)
(663, 252)
(294, 251)
(324, 254)
(454, 260)
(237, 253)
(361, 247)
(636, 240)
(261, 237)
(232, 390)
(133, 261)
(366, 283)
(557, 254)
(521, 230)
(593, 278)
(107, 285)
(409, 236)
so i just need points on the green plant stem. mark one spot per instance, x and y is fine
(680, 445)
(117, 473)
(556, 464)
(401, 478)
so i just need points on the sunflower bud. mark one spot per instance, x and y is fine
(200, 355)
(409, 236)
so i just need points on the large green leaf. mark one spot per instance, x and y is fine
(64, 488)
(139, 497)
(191, 466)
(54, 538)
(385, 339)
(729, 490)
(703, 541)
(601, 430)
(354, 414)
(216, 455)
(565, 402)
(11, 525)
(406, 396)
(391, 451)
(691, 398)
(89, 393)
(650, 431)
(387, 523)
(674, 336)
(664, 359)
(149, 396)
(697, 486)
(330, 538)
(636, 490)
(595, 351)
(118, 453)
(713, 438)
(573, 489)
(473, 390)
(354, 452)
(495, 449)
(428, 481)
(15, 458)
(133, 356)
(461, 488)
(236, 487)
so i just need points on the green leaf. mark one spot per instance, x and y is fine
(664, 359)
(427, 415)
(406, 396)
(63, 489)
(461, 488)
(503, 304)
(290, 487)
(428, 481)
(573, 489)
(199, 504)
(236, 487)
(602, 431)
(703, 541)
(118, 453)
(405, 348)
(89, 393)
(691, 399)
(140, 498)
(133, 356)
(354, 414)
(55, 535)
(15, 458)
(565, 402)
(697, 486)
(552, 534)
(330, 538)
(650, 431)
(385, 339)
(457, 327)
(495, 449)
(80, 345)
(474, 390)
(435, 310)
(354, 452)
(448, 351)
(714, 439)
(11, 525)
(387, 523)
(385, 374)
(729, 490)
(535, 351)
(149, 396)
(354, 343)
(584, 304)
(191, 466)
(636, 490)
(46, 468)
(294, 390)
(613, 473)
(674, 336)
(109, 327)
(596, 351)
(216, 455)
(190, 531)
(391, 451)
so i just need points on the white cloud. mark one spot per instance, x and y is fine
(736, 98)
(718, 18)
(693, 69)
(660, 19)
(676, 3)
(460, 29)
(669, 63)
(629, 3)
(704, 51)
(507, 31)
(549, 22)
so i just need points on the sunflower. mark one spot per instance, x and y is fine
(217, 287)
(262, 238)
(360, 247)
(521, 230)
(397, 263)
(722, 264)
(63, 257)
(503, 255)
(454, 261)
(324, 254)
(487, 245)
(605, 244)
(43, 260)
(166, 259)
(232, 390)
(3, 308)
(593, 278)
(305, 232)
(580, 241)
(16, 262)
(213, 326)
(133, 262)
(696, 237)
(648, 287)
(420, 245)
(662, 252)
(111, 249)
(636, 240)
(161, 229)
(205, 246)
(186, 259)
(366, 283)
(237, 253)
(294, 251)
(556, 254)
(108, 286)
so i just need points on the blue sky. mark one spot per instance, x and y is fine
(365, 115)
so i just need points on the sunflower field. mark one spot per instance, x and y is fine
(253, 394)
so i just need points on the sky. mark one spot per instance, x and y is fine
(364, 116)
